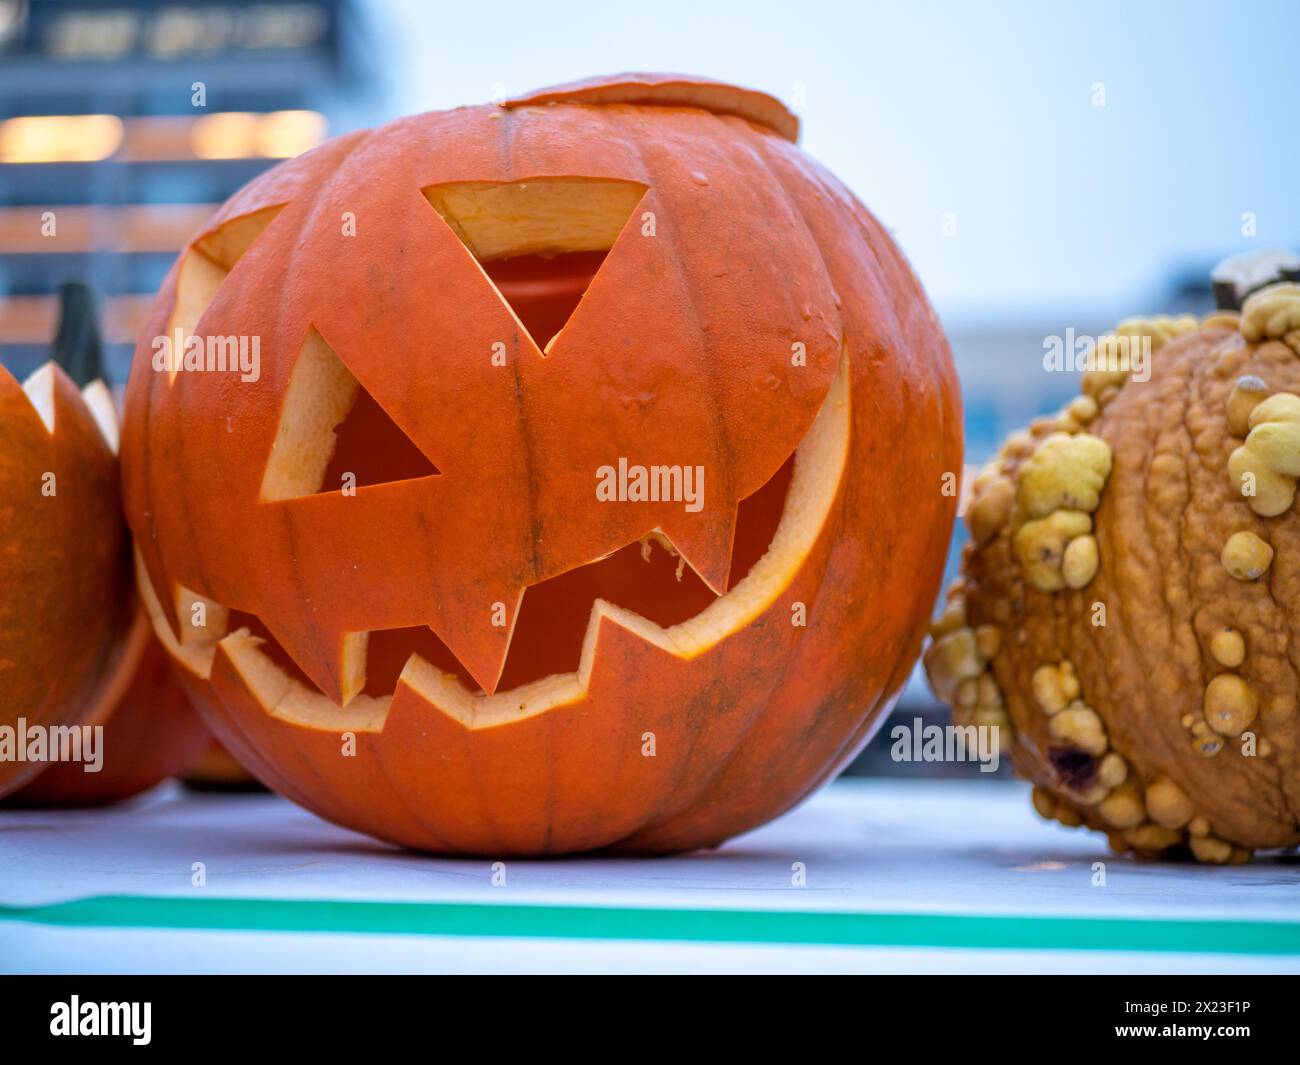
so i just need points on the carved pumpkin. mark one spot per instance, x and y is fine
(587, 494)
(151, 732)
(65, 582)
(76, 647)
(1126, 595)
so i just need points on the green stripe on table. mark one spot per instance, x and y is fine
(970, 931)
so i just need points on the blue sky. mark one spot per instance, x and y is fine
(985, 111)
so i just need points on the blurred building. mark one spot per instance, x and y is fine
(123, 123)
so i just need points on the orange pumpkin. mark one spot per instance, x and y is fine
(65, 585)
(151, 731)
(585, 492)
(76, 647)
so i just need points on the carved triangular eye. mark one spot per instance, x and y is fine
(332, 435)
(208, 262)
(541, 241)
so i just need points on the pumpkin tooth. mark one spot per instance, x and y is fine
(195, 658)
(335, 661)
(99, 401)
(190, 608)
(38, 389)
(705, 546)
(284, 696)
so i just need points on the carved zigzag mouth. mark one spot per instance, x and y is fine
(797, 503)
(538, 245)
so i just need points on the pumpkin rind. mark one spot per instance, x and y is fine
(681, 349)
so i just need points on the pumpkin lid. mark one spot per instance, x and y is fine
(671, 90)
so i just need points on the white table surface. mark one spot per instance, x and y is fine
(901, 876)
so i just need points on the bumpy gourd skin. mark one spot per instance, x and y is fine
(1157, 702)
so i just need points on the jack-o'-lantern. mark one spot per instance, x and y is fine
(1129, 588)
(544, 477)
(65, 585)
(77, 651)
